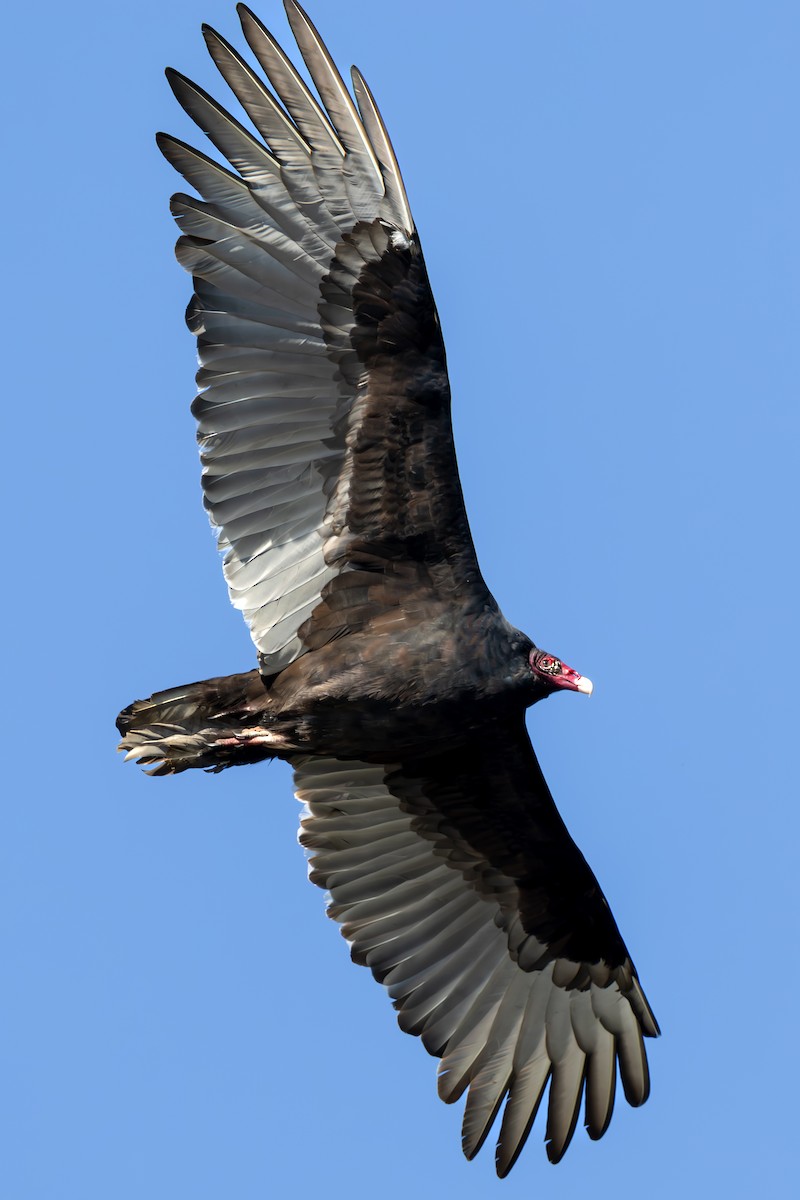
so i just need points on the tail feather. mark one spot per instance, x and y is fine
(213, 724)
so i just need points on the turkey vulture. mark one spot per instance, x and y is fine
(387, 675)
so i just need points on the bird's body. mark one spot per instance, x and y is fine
(379, 693)
(387, 675)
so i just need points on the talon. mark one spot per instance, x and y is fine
(256, 737)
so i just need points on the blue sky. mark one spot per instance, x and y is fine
(608, 197)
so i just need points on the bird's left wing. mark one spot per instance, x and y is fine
(324, 405)
(455, 880)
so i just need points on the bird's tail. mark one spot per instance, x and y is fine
(213, 724)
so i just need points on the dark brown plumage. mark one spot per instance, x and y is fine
(387, 675)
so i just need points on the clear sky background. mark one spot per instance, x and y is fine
(608, 196)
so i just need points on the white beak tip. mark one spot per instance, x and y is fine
(585, 685)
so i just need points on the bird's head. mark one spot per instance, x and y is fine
(551, 674)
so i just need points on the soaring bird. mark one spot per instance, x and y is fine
(387, 675)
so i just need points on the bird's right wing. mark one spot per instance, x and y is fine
(324, 405)
(455, 880)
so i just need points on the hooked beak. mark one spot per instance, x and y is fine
(572, 680)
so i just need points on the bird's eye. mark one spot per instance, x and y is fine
(551, 666)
